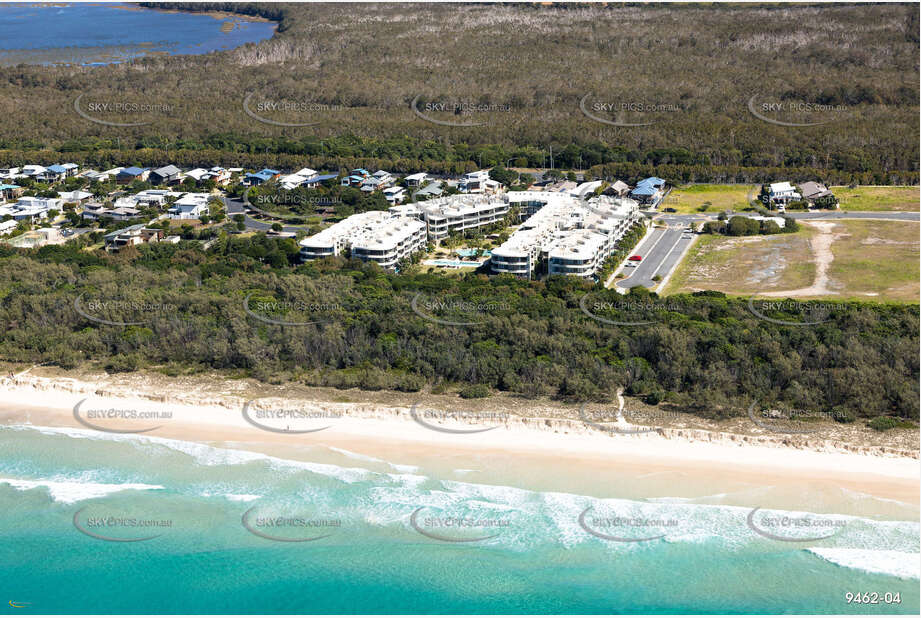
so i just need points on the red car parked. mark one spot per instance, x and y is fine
(636, 258)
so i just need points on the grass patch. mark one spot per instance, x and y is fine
(876, 259)
(746, 265)
(717, 198)
(882, 199)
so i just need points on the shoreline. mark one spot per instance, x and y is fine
(389, 433)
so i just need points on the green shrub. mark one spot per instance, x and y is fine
(885, 423)
(474, 391)
(121, 363)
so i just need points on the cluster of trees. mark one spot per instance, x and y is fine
(369, 328)
(746, 226)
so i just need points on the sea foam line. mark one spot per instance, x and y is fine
(69, 491)
(905, 565)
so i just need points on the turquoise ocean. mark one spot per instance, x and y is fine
(104, 523)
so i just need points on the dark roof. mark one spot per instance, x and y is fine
(813, 189)
(321, 178)
(167, 170)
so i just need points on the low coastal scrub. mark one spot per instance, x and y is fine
(247, 307)
(885, 423)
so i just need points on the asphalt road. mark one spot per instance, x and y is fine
(661, 251)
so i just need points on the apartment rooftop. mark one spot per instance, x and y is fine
(577, 245)
(385, 236)
(353, 226)
(454, 205)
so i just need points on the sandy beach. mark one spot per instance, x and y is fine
(416, 436)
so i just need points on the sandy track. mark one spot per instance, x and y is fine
(821, 248)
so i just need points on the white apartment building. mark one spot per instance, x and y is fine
(578, 252)
(397, 238)
(457, 213)
(551, 212)
(337, 238)
(574, 237)
(529, 202)
(376, 236)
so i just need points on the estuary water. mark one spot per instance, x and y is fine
(100, 33)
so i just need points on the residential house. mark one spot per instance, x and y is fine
(782, 193)
(219, 175)
(106, 176)
(198, 174)
(32, 171)
(8, 173)
(320, 179)
(149, 198)
(394, 195)
(818, 195)
(53, 173)
(167, 175)
(8, 192)
(7, 226)
(649, 191)
(416, 180)
(57, 173)
(618, 188)
(124, 213)
(355, 177)
(433, 189)
(260, 177)
(378, 181)
(34, 208)
(292, 181)
(74, 197)
(131, 236)
(94, 211)
(130, 174)
(476, 182)
(383, 177)
(189, 206)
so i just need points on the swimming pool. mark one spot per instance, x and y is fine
(454, 263)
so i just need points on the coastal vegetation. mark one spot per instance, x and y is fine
(355, 93)
(245, 306)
